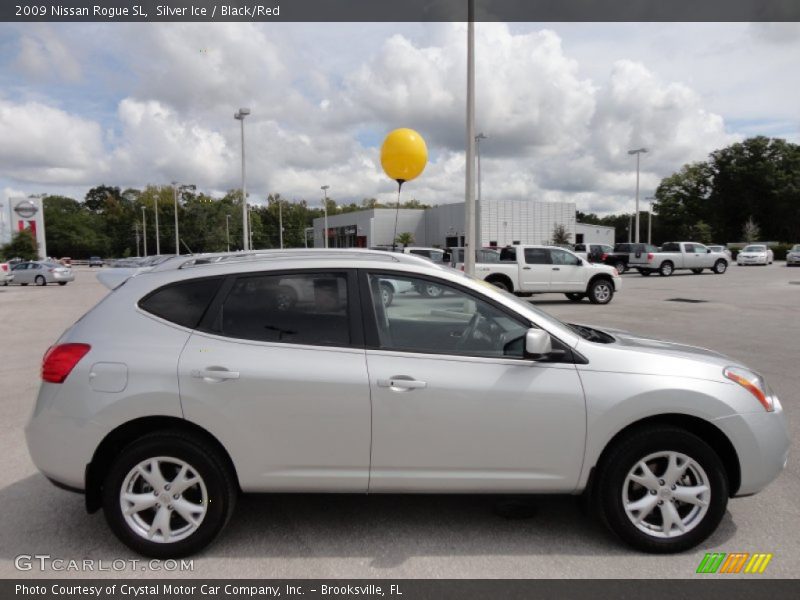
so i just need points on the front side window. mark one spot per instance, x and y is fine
(300, 308)
(562, 257)
(452, 322)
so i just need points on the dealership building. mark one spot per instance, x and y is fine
(503, 222)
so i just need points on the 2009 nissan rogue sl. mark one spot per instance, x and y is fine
(287, 371)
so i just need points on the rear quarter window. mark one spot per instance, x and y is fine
(182, 303)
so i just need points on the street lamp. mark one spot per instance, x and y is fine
(325, 189)
(175, 198)
(478, 230)
(650, 219)
(144, 229)
(637, 153)
(228, 231)
(239, 116)
(158, 242)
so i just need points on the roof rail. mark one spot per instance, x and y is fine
(199, 260)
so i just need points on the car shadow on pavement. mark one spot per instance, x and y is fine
(386, 528)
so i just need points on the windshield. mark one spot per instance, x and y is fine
(755, 249)
(795, 248)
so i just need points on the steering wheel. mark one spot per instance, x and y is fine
(473, 331)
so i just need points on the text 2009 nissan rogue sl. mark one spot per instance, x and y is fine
(210, 376)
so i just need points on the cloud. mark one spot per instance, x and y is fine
(43, 54)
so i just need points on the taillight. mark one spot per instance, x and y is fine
(59, 361)
(649, 257)
(4, 267)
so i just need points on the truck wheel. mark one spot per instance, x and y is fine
(661, 489)
(499, 283)
(720, 267)
(645, 272)
(387, 294)
(621, 267)
(575, 297)
(168, 495)
(697, 271)
(601, 291)
(666, 269)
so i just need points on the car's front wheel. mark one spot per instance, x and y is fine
(601, 291)
(168, 494)
(662, 489)
(720, 267)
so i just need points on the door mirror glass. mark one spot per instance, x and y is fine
(538, 343)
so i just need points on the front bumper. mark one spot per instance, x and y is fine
(792, 260)
(761, 441)
(752, 261)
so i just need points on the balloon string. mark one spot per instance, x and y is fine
(396, 214)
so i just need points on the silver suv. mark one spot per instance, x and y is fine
(197, 380)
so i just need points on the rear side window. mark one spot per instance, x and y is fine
(296, 308)
(537, 256)
(182, 303)
(671, 247)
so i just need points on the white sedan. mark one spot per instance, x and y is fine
(755, 254)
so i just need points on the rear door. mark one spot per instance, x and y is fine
(535, 270)
(278, 374)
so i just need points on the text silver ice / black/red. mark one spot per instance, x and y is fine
(331, 371)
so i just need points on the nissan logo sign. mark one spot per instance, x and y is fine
(26, 209)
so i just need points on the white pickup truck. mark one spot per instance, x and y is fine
(684, 255)
(547, 269)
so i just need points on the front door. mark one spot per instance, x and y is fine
(278, 374)
(456, 406)
(568, 273)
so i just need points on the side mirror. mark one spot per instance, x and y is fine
(537, 344)
(708, 250)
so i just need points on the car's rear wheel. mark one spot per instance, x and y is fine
(666, 269)
(499, 283)
(168, 494)
(662, 489)
(40, 280)
(575, 297)
(601, 291)
(720, 267)
(620, 267)
(387, 294)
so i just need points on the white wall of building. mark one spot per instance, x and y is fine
(594, 234)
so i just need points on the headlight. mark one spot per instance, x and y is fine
(753, 383)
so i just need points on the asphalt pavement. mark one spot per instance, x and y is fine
(750, 313)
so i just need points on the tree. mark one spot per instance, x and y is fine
(560, 235)
(751, 231)
(406, 238)
(701, 232)
(73, 230)
(23, 245)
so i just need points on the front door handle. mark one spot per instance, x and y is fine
(402, 383)
(215, 374)
(556, 268)
(526, 268)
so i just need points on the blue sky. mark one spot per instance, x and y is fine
(132, 104)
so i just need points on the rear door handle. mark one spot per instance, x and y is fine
(215, 374)
(556, 269)
(402, 384)
(526, 268)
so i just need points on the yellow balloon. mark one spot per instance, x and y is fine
(404, 154)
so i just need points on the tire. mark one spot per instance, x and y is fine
(387, 294)
(40, 280)
(697, 271)
(621, 267)
(62, 283)
(215, 494)
(430, 290)
(645, 272)
(499, 283)
(720, 267)
(666, 269)
(600, 291)
(575, 297)
(654, 446)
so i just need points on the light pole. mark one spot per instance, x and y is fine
(478, 200)
(637, 153)
(469, 208)
(144, 229)
(280, 221)
(228, 231)
(650, 219)
(158, 242)
(239, 116)
(325, 189)
(175, 188)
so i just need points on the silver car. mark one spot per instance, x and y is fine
(793, 256)
(192, 382)
(42, 273)
(755, 254)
